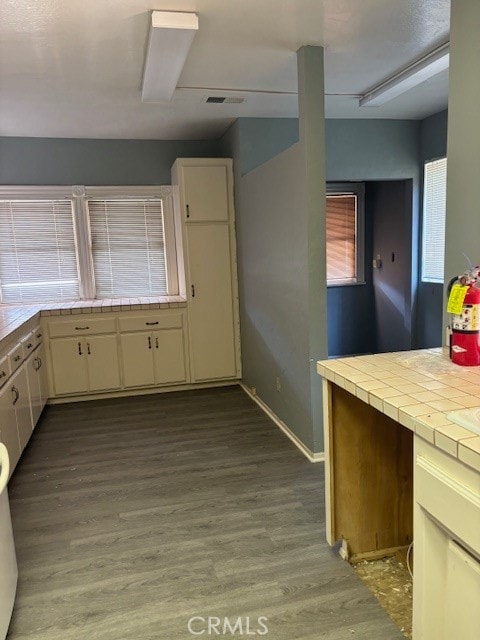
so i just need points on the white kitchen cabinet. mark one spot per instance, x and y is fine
(33, 373)
(211, 303)
(21, 402)
(446, 594)
(8, 425)
(42, 373)
(85, 363)
(169, 356)
(205, 188)
(4, 370)
(153, 358)
(69, 366)
(103, 365)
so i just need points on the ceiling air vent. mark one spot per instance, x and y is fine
(223, 100)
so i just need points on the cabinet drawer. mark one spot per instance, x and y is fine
(81, 326)
(38, 335)
(28, 344)
(15, 357)
(4, 370)
(151, 323)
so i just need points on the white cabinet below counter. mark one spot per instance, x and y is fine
(131, 351)
(23, 395)
(153, 358)
(446, 594)
(85, 364)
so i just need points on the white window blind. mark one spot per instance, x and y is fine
(434, 210)
(128, 247)
(341, 238)
(37, 251)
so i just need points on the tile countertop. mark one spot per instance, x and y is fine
(12, 317)
(417, 389)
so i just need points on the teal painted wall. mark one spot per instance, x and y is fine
(62, 161)
(261, 139)
(267, 215)
(462, 233)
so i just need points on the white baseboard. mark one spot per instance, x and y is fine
(313, 457)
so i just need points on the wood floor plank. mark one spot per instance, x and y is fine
(132, 515)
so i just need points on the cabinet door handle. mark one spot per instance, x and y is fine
(151, 324)
(156, 342)
(88, 349)
(16, 394)
(17, 358)
(149, 342)
(29, 345)
(188, 210)
(36, 366)
(39, 335)
(193, 290)
(2, 374)
(39, 362)
(79, 348)
(81, 328)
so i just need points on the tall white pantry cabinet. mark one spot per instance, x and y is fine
(206, 229)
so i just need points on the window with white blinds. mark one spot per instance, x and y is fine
(128, 247)
(79, 242)
(37, 251)
(434, 211)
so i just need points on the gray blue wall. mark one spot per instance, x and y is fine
(62, 161)
(462, 233)
(367, 151)
(356, 150)
(273, 288)
(271, 248)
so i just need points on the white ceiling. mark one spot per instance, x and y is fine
(73, 68)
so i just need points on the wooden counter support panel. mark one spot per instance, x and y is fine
(371, 459)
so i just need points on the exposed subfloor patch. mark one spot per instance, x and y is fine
(390, 581)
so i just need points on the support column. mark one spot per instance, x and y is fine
(312, 144)
(463, 142)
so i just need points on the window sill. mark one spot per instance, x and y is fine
(345, 283)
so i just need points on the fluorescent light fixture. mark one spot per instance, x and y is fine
(171, 35)
(409, 77)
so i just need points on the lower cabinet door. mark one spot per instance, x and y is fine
(462, 594)
(137, 357)
(102, 359)
(32, 365)
(8, 425)
(69, 365)
(19, 386)
(169, 356)
(42, 374)
(210, 310)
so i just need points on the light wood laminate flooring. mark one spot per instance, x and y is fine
(132, 515)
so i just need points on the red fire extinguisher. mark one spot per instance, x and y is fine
(464, 304)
